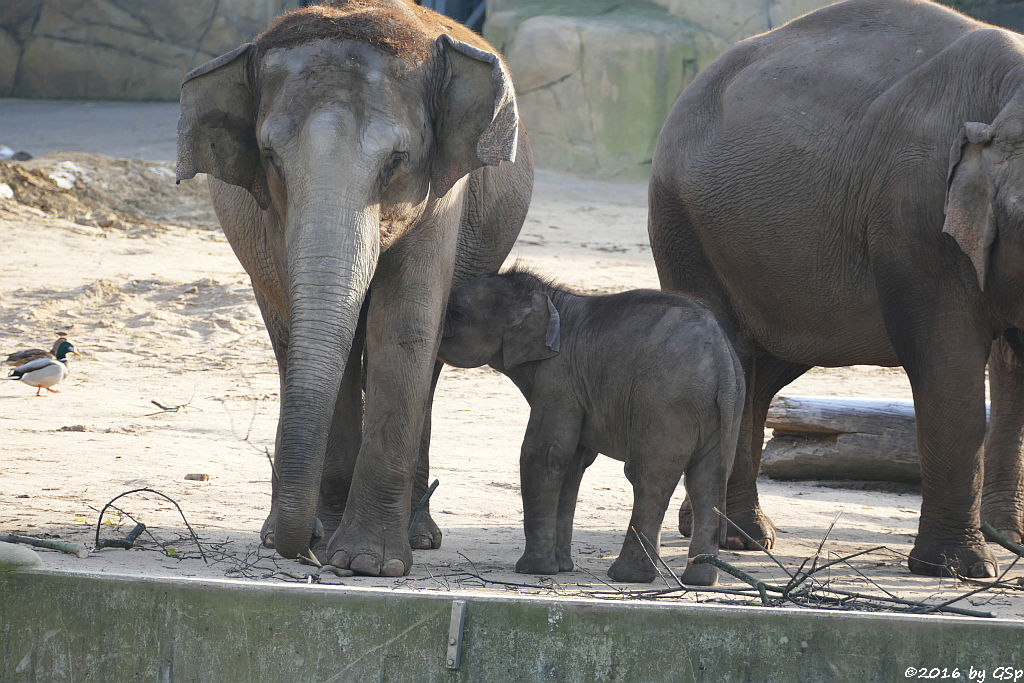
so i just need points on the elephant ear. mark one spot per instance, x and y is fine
(217, 124)
(477, 120)
(536, 333)
(969, 215)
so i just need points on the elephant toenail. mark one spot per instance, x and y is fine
(394, 568)
(365, 564)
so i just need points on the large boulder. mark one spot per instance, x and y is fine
(119, 49)
(596, 79)
(734, 20)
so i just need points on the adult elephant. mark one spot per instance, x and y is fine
(849, 189)
(354, 153)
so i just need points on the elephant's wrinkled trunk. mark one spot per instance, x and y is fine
(332, 254)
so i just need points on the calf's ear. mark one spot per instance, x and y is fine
(535, 334)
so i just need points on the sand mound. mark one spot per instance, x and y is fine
(102, 191)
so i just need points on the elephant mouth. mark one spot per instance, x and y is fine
(1015, 339)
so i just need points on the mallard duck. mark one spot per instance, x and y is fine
(44, 373)
(19, 358)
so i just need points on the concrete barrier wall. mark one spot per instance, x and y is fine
(70, 626)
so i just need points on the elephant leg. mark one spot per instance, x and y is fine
(767, 376)
(945, 362)
(652, 491)
(567, 506)
(343, 441)
(549, 453)
(426, 535)
(705, 481)
(1002, 503)
(406, 303)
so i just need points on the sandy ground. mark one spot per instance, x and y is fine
(134, 270)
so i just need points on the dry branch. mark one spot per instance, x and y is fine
(62, 546)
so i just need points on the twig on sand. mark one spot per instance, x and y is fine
(172, 409)
(173, 502)
(49, 544)
(127, 542)
(761, 586)
(825, 591)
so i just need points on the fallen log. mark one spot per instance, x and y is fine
(841, 438)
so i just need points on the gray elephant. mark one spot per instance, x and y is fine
(645, 377)
(355, 154)
(849, 189)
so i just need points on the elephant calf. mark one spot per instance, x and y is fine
(645, 377)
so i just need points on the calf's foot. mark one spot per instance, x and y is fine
(537, 563)
(700, 575)
(564, 561)
(632, 570)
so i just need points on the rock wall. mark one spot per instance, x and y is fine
(594, 88)
(734, 20)
(597, 78)
(118, 49)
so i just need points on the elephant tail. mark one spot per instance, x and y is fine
(731, 399)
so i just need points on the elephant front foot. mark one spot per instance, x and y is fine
(700, 575)
(970, 559)
(754, 522)
(371, 554)
(632, 570)
(267, 532)
(426, 535)
(537, 563)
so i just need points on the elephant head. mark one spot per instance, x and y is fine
(985, 207)
(350, 126)
(495, 320)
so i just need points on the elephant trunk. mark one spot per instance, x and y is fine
(332, 254)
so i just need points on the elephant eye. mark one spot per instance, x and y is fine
(271, 160)
(456, 313)
(390, 166)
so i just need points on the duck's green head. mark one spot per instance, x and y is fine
(64, 348)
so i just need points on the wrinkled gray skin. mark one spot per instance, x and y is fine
(645, 377)
(354, 190)
(849, 189)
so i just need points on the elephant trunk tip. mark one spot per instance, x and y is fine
(291, 543)
(289, 550)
